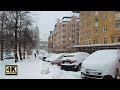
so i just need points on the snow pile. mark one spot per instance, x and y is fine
(54, 57)
(36, 69)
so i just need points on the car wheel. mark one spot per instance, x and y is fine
(107, 77)
(116, 73)
(79, 67)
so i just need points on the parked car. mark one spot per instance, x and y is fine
(73, 61)
(46, 55)
(59, 61)
(102, 64)
(54, 57)
(9, 56)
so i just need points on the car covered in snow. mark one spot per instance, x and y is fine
(54, 57)
(46, 56)
(102, 64)
(59, 60)
(73, 61)
(9, 56)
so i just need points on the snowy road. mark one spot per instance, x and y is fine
(36, 69)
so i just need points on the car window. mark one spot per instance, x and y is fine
(61, 57)
(69, 55)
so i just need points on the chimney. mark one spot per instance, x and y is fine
(50, 32)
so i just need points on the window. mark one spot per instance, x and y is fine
(96, 41)
(63, 41)
(96, 19)
(105, 15)
(74, 36)
(96, 12)
(64, 25)
(104, 28)
(113, 39)
(104, 40)
(106, 12)
(73, 41)
(93, 41)
(117, 23)
(63, 31)
(96, 30)
(85, 43)
(64, 36)
(64, 47)
(118, 38)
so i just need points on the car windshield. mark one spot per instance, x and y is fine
(69, 56)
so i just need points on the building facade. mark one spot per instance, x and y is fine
(99, 29)
(64, 35)
(37, 37)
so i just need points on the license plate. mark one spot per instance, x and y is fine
(93, 73)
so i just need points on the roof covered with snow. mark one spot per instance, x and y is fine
(54, 57)
(112, 44)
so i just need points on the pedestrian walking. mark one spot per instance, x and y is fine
(35, 55)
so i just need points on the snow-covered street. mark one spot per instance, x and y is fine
(36, 69)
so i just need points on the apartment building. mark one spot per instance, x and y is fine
(50, 42)
(99, 30)
(64, 35)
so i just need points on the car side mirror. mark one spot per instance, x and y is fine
(119, 60)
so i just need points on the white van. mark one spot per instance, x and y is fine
(102, 64)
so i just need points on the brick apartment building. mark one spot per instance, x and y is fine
(99, 30)
(65, 35)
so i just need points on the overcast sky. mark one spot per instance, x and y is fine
(47, 19)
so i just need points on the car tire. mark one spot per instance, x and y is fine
(79, 67)
(107, 77)
(116, 73)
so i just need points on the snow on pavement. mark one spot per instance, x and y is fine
(36, 69)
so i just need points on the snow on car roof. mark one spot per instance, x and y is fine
(102, 56)
(100, 60)
(105, 53)
(54, 57)
(76, 55)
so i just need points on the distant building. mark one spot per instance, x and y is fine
(37, 37)
(50, 42)
(65, 35)
(44, 45)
